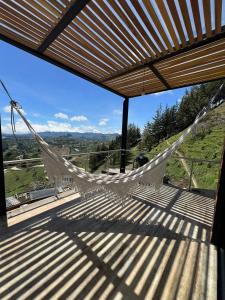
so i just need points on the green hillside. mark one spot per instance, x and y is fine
(206, 143)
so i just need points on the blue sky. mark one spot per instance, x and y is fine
(56, 100)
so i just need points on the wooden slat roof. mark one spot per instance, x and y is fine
(129, 47)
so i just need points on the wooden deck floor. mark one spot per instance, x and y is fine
(156, 246)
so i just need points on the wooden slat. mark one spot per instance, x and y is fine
(109, 38)
(139, 91)
(51, 8)
(54, 53)
(23, 12)
(193, 54)
(127, 76)
(200, 57)
(140, 86)
(196, 78)
(207, 17)
(105, 39)
(157, 23)
(134, 19)
(14, 25)
(150, 78)
(187, 21)
(116, 31)
(83, 53)
(150, 28)
(131, 26)
(217, 63)
(27, 18)
(138, 48)
(191, 77)
(56, 4)
(201, 67)
(43, 9)
(33, 11)
(218, 15)
(79, 40)
(60, 45)
(105, 31)
(168, 23)
(94, 39)
(197, 19)
(177, 21)
(23, 22)
(21, 39)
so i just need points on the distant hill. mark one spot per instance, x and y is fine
(77, 135)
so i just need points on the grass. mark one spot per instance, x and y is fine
(206, 143)
(24, 180)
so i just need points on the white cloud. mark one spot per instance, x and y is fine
(103, 121)
(163, 92)
(7, 109)
(61, 116)
(179, 100)
(7, 119)
(117, 112)
(80, 118)
(51, 126)
(36, 115)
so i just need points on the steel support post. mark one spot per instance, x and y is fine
(124, 135)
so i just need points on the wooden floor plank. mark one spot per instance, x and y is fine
(155, 246)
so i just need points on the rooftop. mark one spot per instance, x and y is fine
(127, 47)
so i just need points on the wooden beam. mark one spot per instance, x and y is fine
(72, 12)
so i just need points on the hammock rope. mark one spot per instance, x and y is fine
(58, 168)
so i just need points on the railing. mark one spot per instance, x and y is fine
(25, 175)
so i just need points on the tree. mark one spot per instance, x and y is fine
(133, 135)
(170, 120)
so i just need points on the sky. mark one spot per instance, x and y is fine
(55, 100)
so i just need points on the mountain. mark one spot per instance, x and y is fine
(75, 135)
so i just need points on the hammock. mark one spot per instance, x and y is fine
(60, 170)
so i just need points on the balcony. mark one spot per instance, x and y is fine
(154, 245)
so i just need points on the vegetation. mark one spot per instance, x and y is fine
(168, 123)
(171, 120)
(24, 179)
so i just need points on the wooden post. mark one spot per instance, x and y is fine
(2, 182)
(124, 135)
(218, 230)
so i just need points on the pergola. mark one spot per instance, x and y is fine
(130, 48)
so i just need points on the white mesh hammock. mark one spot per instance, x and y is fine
(59, 169)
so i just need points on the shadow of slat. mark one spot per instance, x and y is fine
(151, 248)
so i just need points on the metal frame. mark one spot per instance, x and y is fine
(124, 135)
(188, 48)
(179, 87)
(56, 63)
(69, 15)
(72, 12)
(159, 76)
